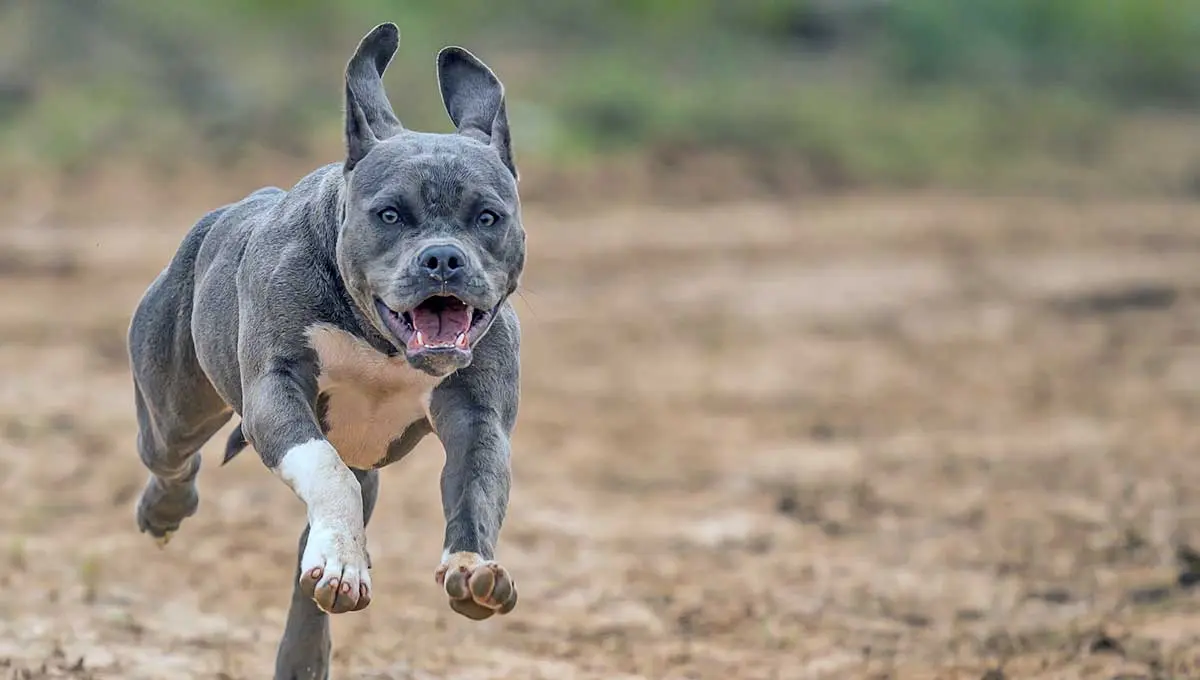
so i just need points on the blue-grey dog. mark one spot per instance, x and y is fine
(344, 320)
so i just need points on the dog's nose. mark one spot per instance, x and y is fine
(443, 262)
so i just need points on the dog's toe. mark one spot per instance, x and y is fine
(335, 573)
(337, 589)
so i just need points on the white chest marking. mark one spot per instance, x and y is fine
(371, 397)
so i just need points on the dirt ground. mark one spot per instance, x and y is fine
(906, 437)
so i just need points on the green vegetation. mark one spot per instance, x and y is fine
(886, 91)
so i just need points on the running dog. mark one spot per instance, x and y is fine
(343, 320)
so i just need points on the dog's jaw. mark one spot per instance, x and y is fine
(436, 351)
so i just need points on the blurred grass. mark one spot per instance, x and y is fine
(908, 93)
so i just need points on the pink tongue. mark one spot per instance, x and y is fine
(441, 327)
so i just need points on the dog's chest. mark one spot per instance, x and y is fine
(367, 397)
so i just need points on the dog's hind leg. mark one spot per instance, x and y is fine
(305, 648)
(170, 451)
(178, 409)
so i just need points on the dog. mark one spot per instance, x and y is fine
(344, 320)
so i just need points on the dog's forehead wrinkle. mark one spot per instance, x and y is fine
(438, 184)
(442, 189)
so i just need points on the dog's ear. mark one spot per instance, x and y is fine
(474, 98)
(369, 115)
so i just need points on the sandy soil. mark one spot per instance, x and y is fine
(865, 437)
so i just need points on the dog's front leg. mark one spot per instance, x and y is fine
(278, 420)
(474, 428)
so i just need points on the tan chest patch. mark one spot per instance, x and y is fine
(371, 397)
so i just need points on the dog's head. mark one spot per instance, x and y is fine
(431, 242)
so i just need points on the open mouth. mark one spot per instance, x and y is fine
(441, 322)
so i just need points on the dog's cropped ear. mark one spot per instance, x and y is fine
(474, 98)
(369, 115)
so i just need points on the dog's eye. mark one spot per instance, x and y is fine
(487, 218)
(389, 216)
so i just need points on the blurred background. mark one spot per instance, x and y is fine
(1029, 94)
(861, 337)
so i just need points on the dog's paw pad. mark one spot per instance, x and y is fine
(335, 572)
(477, 588)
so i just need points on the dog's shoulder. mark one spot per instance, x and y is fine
(220, 237)
(304, 217)
(289, 238)
(270, 261)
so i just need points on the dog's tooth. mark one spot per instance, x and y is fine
(420, 339)
(461, 340)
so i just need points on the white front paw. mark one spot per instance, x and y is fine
(335, 569)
